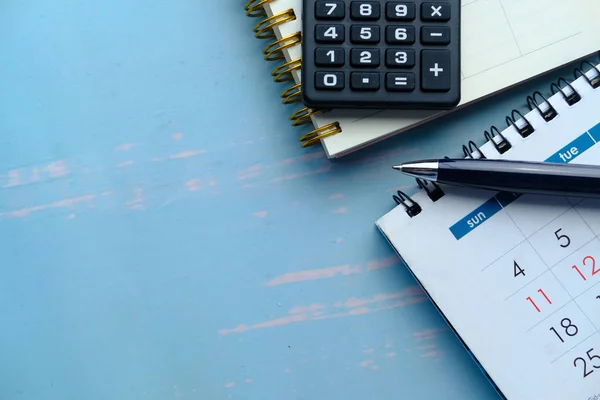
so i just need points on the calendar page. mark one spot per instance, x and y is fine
(518, 276)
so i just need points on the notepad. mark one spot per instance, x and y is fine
(517, 276)
(504, 43)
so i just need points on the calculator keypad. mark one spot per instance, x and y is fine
(330, 80)
(381, 54)
(329, 57)
(400, 82)
(435, 67)
(435, 11)
(400, 11)
(365, 10)
(400, 34)
(400, 58)
(364, 34)
(329, 33)
(364, 58)
(364, 80)
(330, 10)
(435, 35)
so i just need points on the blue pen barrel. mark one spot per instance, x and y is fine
(575, 180)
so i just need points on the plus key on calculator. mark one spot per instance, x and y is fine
(381, 54)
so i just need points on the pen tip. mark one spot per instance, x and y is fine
(398, 167)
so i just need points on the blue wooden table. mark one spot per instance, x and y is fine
(165, 236)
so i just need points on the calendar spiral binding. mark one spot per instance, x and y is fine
(535, 102)
(265, 29)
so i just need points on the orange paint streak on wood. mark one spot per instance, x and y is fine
(351, 307)
(312, 274)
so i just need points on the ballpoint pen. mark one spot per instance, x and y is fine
(575, 180)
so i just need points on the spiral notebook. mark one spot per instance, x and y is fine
(504, 43)
(518, 276)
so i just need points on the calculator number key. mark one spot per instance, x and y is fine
(364, 58)
(400, 11)
(435, 11)
(329, 80)
(395, 34)
(435, 35)
(364, 34)
(399, 82)
(399, 58)
(364, 81)
(328, 57)
(435, 70)
(329, 10)
(329, 33)
(365, 10)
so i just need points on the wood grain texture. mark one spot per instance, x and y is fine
(165, 236)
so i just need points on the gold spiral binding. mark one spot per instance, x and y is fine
(283, 73)
(264, 29)
(293, 94)
(254, 8)
(274, 51)
(302, 116)
(313, 137)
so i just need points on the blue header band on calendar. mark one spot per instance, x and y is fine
(573, 149)
(494, 205)
(482, 213)
(595, 133)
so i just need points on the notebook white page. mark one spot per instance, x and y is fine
(519, 280)
(504, 42)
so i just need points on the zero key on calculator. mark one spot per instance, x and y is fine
(381, 54)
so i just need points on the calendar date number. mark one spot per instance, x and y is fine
(563, 240)
(544, 297)
(588, 363)
(517, 270)
(569, 328)
(590, 268)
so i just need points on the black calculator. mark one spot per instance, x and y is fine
(381, 54)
